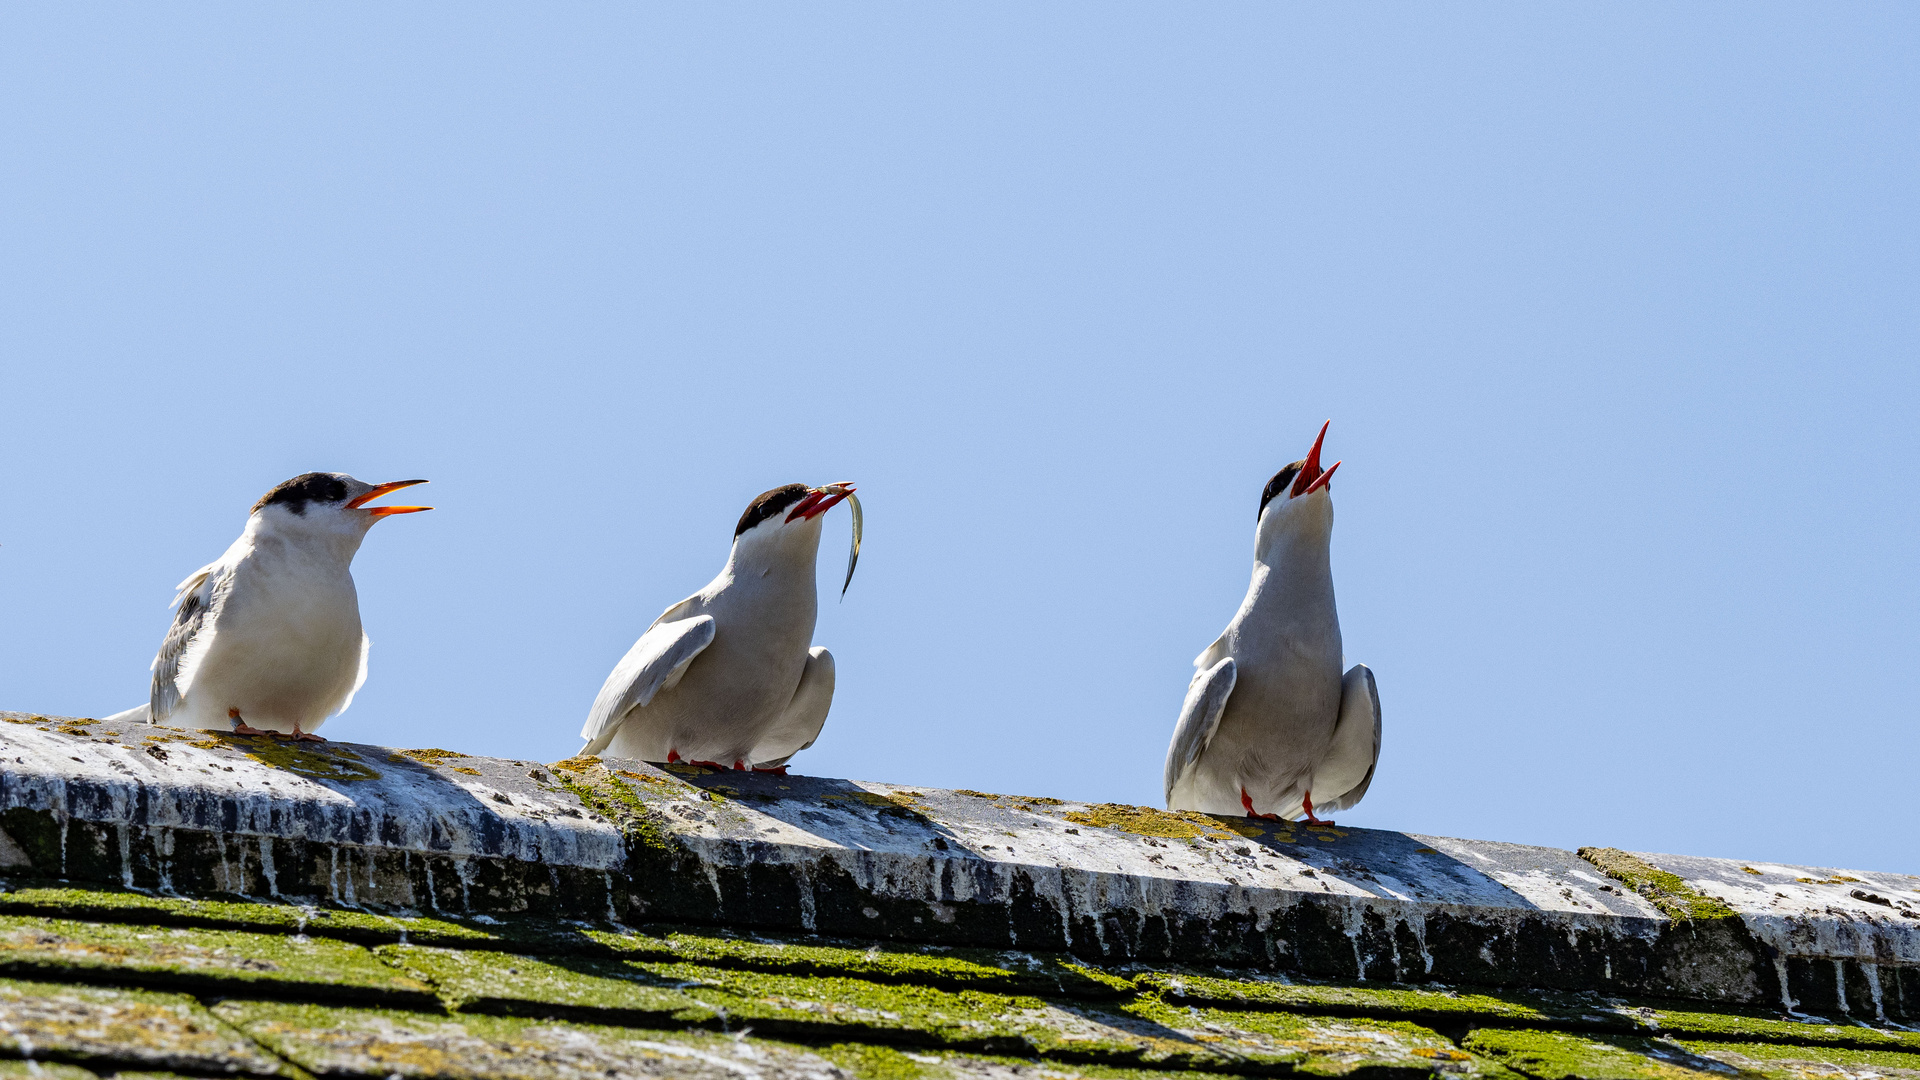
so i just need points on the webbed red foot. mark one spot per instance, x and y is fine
(1313, 822)
(241, 727)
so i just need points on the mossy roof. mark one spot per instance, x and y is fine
(106, 982)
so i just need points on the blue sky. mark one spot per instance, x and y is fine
(1613, 308)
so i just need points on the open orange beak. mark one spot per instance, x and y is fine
(378, 490)
(1312, 477)
(819, 501)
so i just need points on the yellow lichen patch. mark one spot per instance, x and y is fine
(315, 761)
(1171, 824)
(576, 764)
(430, 755)
(464, 769)
(642, 777)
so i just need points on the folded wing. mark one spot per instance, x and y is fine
(1199, 718)
(805, 715)
(1341, 780)
(656, 662)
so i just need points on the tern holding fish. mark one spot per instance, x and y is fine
(727, 677)
(1270, 727)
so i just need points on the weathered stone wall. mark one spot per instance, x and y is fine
(432, 831)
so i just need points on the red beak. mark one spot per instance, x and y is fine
(1310, 477)
(386, 511)
(819, 500)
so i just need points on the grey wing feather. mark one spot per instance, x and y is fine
(197, 598)
(800, 723)
(1199, 718)
(656, 661)
(1358, 678)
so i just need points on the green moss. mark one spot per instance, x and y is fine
(951, 968)
(1175, 824)
(1490, 1006)
(1797, 1062)
(129, 1028)
(431, 755)
(381, 1043)
(1666, 891)
(603, 792)
(108, 905)
(521, 985)
(221, 961)
(1548, 1055)
(1741, 1025)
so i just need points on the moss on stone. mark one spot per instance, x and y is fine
(524, 985)
(599, 789)
(1174, 824)
(1674, 897)
(1744, 1025)
(951, 968)
(106, 1028)
(1802, 1063)
(431, 755)
(222, 961)
(1548, 1055)
(118, 906)
(384, 1043)
(1377, 1000)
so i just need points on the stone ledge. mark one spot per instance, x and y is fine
(202, 814)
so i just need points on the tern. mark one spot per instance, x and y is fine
(1270, 727)
(266, 639)
(729, 676)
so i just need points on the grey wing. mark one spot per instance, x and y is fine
(799, 725)
(192, 624)
(1199, 718)
(1356, 736)
(655, 662)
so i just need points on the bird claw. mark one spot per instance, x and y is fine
(777, 770)
(305, 736)
(248, 729)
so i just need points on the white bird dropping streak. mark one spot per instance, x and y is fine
(267, 638)
(1270, 726)
(728, 677)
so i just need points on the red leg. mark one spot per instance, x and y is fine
(1307, 801)
(708, 764)
(1246, 800)
(673, 757)
(241, 727)
(739, 766)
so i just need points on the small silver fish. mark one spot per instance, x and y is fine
(853, 557)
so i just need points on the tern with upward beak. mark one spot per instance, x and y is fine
(1270, 727)
(726, 677)
(267, 638)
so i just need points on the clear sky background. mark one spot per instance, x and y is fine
(1613, 308)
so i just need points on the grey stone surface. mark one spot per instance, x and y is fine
(194, 813)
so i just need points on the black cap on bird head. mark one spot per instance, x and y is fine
(794, 502)
(1303, 477)
(334, 489)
